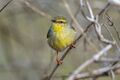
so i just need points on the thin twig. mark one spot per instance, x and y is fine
(72, 16)
(112, 37)
(95, 20)
(98, 72)
(35, 9)
(112, 60)
(6, 5)
(112, 24)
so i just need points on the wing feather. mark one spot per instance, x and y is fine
(49, 32)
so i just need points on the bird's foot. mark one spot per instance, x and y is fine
(59, 62)
(72, 46)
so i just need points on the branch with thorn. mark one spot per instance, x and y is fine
(95, 20)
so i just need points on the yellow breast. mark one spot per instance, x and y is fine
(62, 38)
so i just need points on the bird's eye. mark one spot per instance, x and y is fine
(61, 21)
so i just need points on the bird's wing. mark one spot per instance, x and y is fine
(49, 32)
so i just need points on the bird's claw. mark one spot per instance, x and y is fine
(59, 62)
(72, 46)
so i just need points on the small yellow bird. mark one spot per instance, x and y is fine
(60, 35)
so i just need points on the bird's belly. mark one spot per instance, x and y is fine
(60, 41)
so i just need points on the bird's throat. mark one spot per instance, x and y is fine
(58, 28)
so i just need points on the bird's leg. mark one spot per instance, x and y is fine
(58, 60)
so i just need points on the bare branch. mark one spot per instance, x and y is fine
(96, 57)
(5, 5)
(109, 60)
(98, 72)
(95, 20)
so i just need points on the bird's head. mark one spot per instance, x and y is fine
(59, 20)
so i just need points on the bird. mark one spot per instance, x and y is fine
(60, 35)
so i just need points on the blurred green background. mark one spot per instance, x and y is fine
(24, 52)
